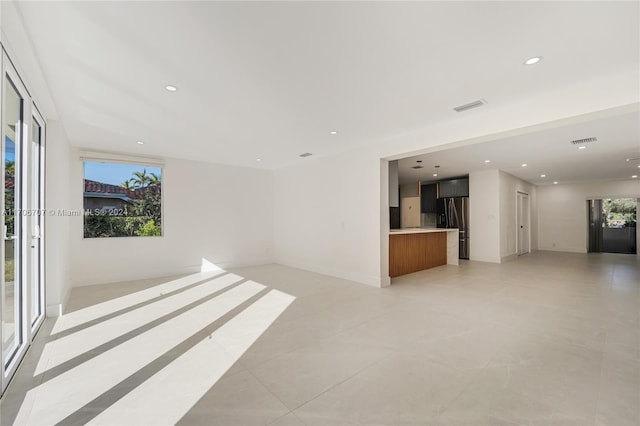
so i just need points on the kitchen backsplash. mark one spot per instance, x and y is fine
(428, 220)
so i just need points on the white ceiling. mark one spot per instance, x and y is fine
(549, 152)
(271, 80)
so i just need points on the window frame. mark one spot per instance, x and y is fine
(126, 159)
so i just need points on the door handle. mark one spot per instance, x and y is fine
(7, 237)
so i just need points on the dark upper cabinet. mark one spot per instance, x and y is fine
(454, 188)
(429, 198)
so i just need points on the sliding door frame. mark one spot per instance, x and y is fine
(37, 223)
(29, 277)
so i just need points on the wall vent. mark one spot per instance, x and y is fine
(416, 167)
(585, 140)
(306, 154)
(470, 105)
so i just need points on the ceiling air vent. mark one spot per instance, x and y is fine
(416, 167)
(470, 105)
(306, 154)
(585, 140)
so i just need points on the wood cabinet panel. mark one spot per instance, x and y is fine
(414, 252)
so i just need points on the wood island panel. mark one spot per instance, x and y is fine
(414, 252)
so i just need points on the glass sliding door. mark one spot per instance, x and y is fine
(13, 295)
(612, 225)
(595, 226)
(22, 276)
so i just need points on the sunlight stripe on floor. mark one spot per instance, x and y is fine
(81, 316)
(168, 395)
(68, 347)
(56, 399)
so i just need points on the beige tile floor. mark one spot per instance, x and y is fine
(547, 339)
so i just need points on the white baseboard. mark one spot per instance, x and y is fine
(118, 276)
(563, 249)
(509, 257)
(373, 281)
(53, 311)
(385, 282)
(489, 259)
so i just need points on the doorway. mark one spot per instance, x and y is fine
(522, 223)
(613, 225)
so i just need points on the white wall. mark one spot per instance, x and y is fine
(327, 209)
(484, 216)
(562, 212)
(509, 186)
(221, 213)
(57, 227)
(329, 218)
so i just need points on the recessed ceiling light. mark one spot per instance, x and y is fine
(555, 183)
(582, 147)
(487, 161)
(524, 164)
(634, 176)
(532, 61)
(333, 132)
(543, 175)
(435, 174)
(170, 88)
(258, 159)
(140, 143)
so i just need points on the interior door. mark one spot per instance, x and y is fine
(522, 223)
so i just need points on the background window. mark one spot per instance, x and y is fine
(122, 200)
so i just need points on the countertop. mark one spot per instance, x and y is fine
(420, 230)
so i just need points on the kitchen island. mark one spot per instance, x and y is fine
(415, 249)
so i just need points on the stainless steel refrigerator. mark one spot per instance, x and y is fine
(454, 213)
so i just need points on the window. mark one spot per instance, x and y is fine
(122, 200)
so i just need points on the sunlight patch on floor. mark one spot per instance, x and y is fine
(169, 394)
(68, 347)
(57, 398)
(81, 316)
(207, 266)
